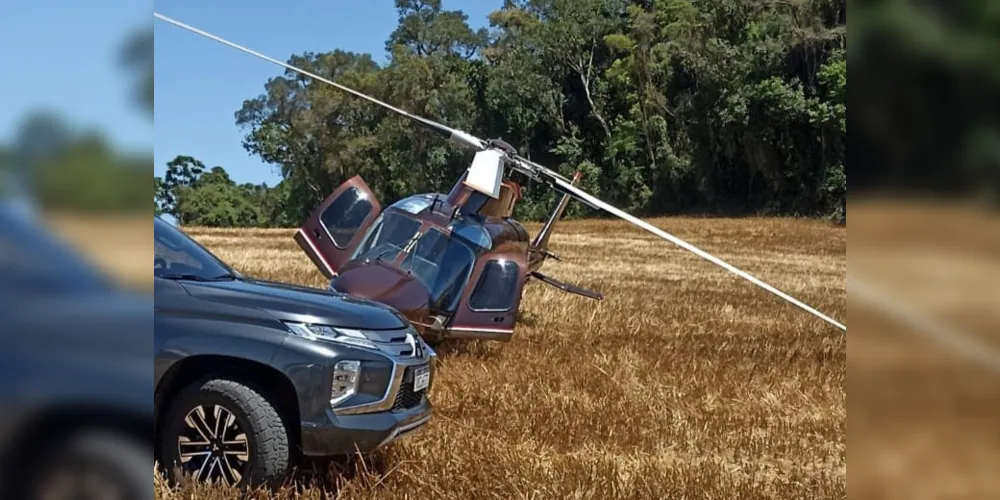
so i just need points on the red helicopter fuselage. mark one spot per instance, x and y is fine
(455, 265)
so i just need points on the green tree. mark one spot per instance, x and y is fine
(182, 171)
(213, 199)
(88, 175)
(158, 189)
(316, 135)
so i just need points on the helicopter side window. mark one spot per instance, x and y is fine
(497, 286)
(471, 232)
(345, 215)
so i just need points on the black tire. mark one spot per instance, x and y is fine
(267, 459)
(89, 464)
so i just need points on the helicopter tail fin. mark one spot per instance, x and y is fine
(540, 245)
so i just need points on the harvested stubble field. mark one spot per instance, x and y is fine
(686, 382)
(925, 399)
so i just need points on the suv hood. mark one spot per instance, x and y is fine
(299, 303)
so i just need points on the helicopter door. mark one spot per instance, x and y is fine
(488, 307)
(335, 229)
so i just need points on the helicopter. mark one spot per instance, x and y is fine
(455, 264)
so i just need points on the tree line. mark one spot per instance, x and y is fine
(667, 106)
(200, 196)
(64, 169)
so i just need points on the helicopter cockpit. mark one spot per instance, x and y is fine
(441, 261)
(449, 269)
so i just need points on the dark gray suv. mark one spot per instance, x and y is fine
(251, 375)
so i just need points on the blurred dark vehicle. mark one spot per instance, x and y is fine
(75, 413)
(253, 375)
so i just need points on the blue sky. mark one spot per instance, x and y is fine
(62, 56)
(201, 83)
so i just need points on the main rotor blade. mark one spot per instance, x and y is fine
(458, 137)
(566, 187)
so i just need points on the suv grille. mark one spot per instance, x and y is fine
(406, 397)
(398, 343)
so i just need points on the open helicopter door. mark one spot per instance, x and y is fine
(490, 302)
(335, 229)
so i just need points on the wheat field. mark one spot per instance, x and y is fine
(686, 382)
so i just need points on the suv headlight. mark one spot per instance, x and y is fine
(324, 332)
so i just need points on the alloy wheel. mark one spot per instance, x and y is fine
(212, 446)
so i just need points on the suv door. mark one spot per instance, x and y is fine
(335, 229)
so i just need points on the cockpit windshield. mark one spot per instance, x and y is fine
(388, 236)
(441, 262)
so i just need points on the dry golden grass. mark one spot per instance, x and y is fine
(924, 416)
(120, 245)
(686, 382)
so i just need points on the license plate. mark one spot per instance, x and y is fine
(421, 378)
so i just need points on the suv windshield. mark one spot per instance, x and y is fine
(35, 261)
(177, 256)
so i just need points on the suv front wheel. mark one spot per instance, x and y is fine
(223, 431)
